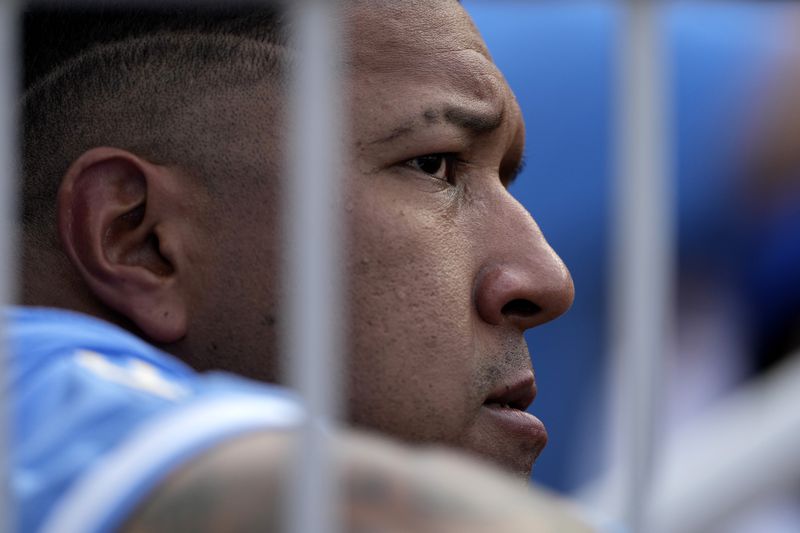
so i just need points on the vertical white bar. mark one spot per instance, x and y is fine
(643, 255)
(314, 260)
(9, 71)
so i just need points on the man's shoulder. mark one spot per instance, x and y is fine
(90, 402)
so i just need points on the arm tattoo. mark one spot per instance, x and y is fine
(211, 503)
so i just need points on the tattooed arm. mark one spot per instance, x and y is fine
(385, 488)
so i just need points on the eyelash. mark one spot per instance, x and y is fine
(448, 159)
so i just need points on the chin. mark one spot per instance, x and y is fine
(508, 438)
(517, 466)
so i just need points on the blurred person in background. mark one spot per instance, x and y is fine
(771, 192)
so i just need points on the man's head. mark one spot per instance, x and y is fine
(153, 198)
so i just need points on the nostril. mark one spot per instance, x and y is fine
(521, 308)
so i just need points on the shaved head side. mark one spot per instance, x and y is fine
(172, 94)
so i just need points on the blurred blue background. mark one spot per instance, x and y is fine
(561, 60)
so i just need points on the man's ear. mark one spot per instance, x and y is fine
(115, 223)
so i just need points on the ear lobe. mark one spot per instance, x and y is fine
(114, 239)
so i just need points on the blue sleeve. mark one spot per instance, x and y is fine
(99, 418)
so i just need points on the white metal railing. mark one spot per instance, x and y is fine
(313, 262)
(8, 170)
(643, 257)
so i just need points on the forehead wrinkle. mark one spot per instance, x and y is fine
(466, 79)
(396, 133)
(432, 50)
(452, 65)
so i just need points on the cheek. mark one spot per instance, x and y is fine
(412, 355)
(235, 294)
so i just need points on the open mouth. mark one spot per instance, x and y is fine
(505, 415)
(513, 394)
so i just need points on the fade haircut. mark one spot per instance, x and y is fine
(167, 85)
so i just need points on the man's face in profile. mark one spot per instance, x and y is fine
(448, 270)
(445, 269)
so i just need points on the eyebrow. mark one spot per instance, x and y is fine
(475, 122)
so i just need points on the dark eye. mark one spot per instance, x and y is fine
(439, 166)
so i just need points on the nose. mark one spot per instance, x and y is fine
(526, 283)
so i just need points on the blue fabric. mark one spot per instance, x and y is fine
(77, 388)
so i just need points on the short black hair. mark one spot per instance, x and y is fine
(148, 80)
(55, 32)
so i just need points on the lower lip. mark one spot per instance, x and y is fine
(519, 424)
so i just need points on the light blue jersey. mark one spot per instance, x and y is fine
(99, 418)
